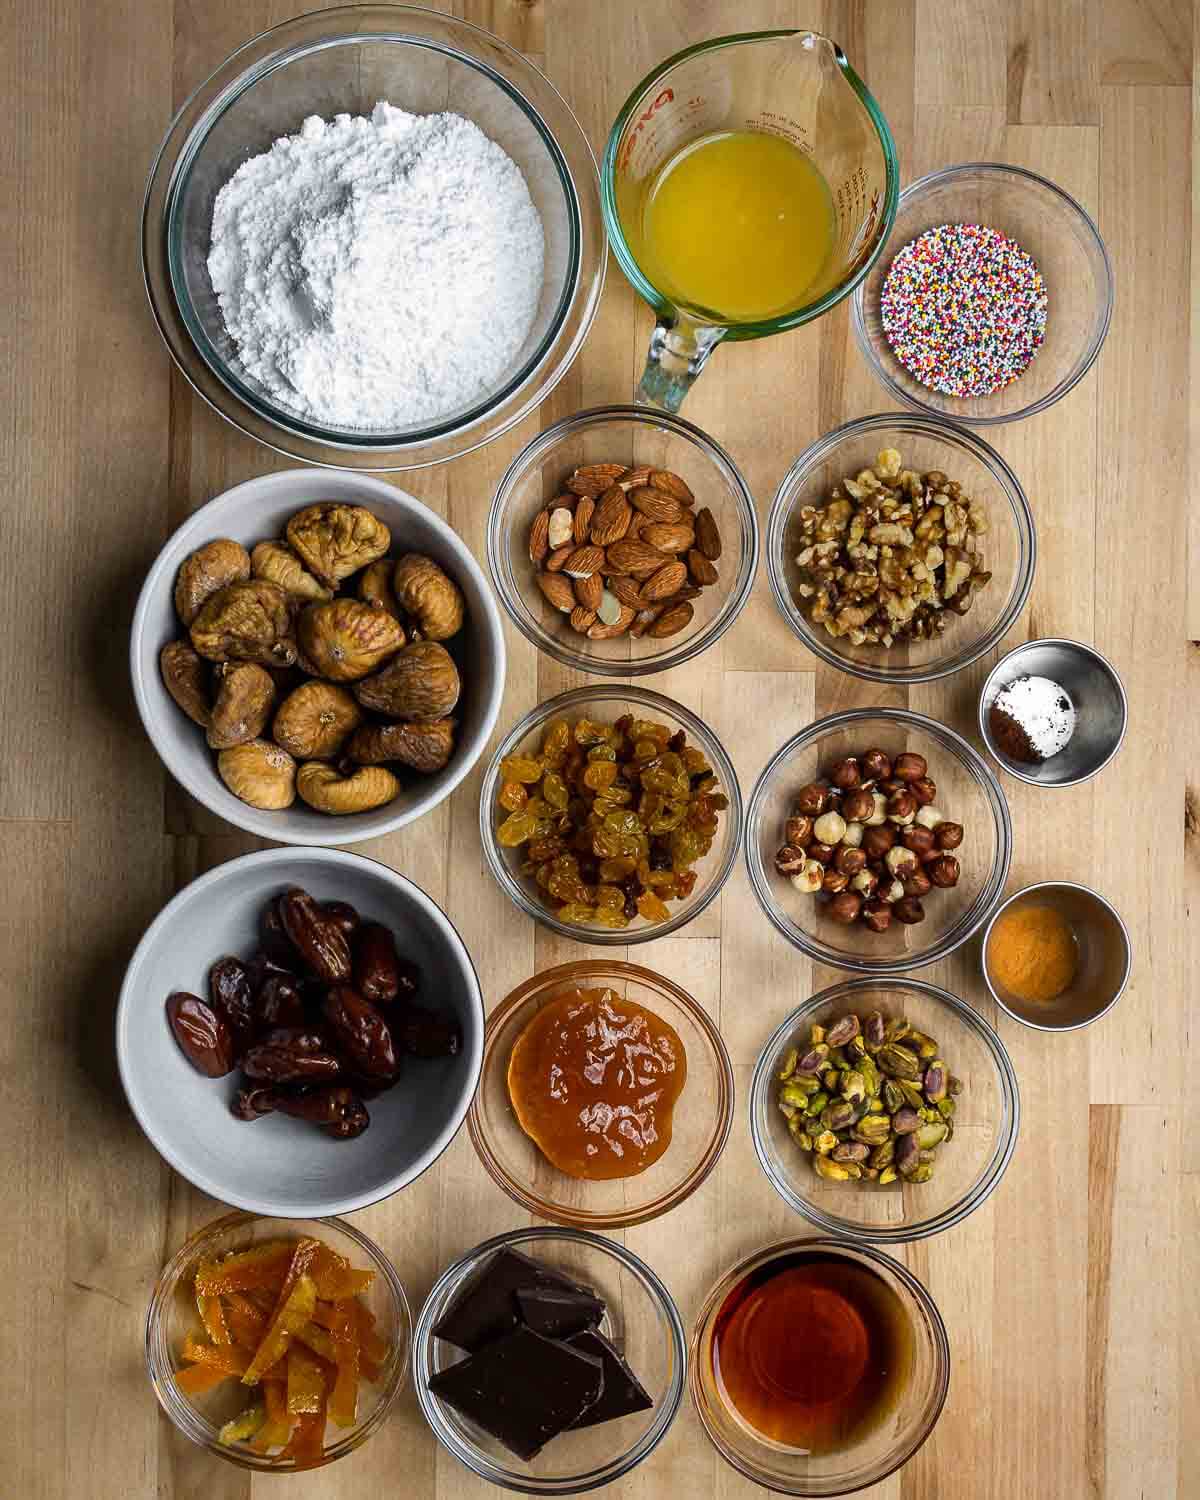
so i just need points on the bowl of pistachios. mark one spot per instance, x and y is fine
(884, 1110)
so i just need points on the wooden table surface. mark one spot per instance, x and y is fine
(1073, 1296)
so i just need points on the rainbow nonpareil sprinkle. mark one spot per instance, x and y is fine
(964, 309)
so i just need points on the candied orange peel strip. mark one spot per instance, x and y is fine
(244, 1426)
(335, 1278)
(246, 1322)
(260, 1266)
(305, 1381)
(220, 1357)
(319, 1340)
(194, 1380)
(307, 1444)
(296, 1308)
(278, 1427)
(343, 1399)
(212, 1315)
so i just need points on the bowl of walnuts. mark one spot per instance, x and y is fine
(317, 657)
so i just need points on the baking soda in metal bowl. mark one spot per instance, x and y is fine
(381, 273)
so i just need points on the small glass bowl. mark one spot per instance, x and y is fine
(172, 1316)
(606, 705)
(968, 1167)
(629, 435)
(641, 1320)
(1009, 548)
(1060, 235)
(968, 793)
(703, 1113)
(879, 1451)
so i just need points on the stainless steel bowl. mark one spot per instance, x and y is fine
(1105, 958)
(1101, 710)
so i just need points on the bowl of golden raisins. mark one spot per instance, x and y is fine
(611, 815)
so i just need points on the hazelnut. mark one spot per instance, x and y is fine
(876, 765)
(917, 884)
(858, 807)
(924, 790)
(809, 879)
(865, 882)
(853, 835)
(919, 840)
(929, 817)
(909, 767)
(834, 797)
(902, 808)
(948, 835)
(846, 774)
(829, 828)
(790, 861)
(878, 811)
(909, 911)
(822, 853)
(877, 915)
(798, 832)
(891, 785)
(901, 861)
(877, 841)
(833, 882)
(844, 908)
(850, 860)
(811, 799)
(891, 892)
(944, 871)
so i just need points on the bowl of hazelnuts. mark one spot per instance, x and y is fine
(877, 840)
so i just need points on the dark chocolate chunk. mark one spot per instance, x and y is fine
(623, 1392)
(486, 1308)
(524, 1389)
(555, 1314)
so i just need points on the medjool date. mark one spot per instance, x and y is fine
(203, 1035)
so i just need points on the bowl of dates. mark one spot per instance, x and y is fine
(300, 1032)
(317, 657)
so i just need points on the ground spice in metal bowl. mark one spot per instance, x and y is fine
(1031, 720)
(1032, 953)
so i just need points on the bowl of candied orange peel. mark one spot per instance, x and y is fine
(279, 1344)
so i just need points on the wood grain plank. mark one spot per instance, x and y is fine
(1052, 71)
(1145, 42)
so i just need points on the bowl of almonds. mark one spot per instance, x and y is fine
(622, 541)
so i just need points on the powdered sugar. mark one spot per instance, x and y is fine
(378, 273)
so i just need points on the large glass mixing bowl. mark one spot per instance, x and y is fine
(343, 61)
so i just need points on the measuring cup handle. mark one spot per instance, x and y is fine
(678, 352)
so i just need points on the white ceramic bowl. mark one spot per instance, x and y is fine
(277, 1165)
(257, 510)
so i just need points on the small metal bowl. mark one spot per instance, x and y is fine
(1105, 958)
(1101, 710)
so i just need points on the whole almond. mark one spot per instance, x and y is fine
(584, 561)
(655, 505)
(634, 479)
(636, 522)
(672, 621)
(562, 526)
(664, 583)
(611, 519)
(558, 591)
(581, 618)
(594, 479)
(633, 557)
(669, 536)
(700, 568)
(555, 559)
(602, 632)
(627, 590)
(671, 484)
(583, 519)
(588, 591)
(539, 537)
(708, 538)
(643, 620)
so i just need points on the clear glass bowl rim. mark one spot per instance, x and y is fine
(833, 1243)
(534, 452)
(975, 915)
(287, 433)
(600, 969)
(668, 1408)
(188, 1419)
(697, 731)
(927, 425)
(1006, 1135)
(1095, 343)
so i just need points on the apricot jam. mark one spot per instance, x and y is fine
(594, 1079)
(811, 1351)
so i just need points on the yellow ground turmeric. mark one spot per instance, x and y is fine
(1032, 953)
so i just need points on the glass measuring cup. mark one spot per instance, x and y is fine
(793, 84)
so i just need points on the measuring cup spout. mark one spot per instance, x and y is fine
(678, 352)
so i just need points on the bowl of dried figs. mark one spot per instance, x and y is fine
(317, 657)
(901, 548)
(623, 541)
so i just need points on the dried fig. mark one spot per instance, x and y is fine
(420, 684)
(429, 595)
(260, 773)
(276, 562)
(346, 639)
(186, 679)
(246, 622)
(375, 588)
(210, 568)
(313, 722)
(335, 540)
(245, 696)
(324, 787)
(424, 746)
